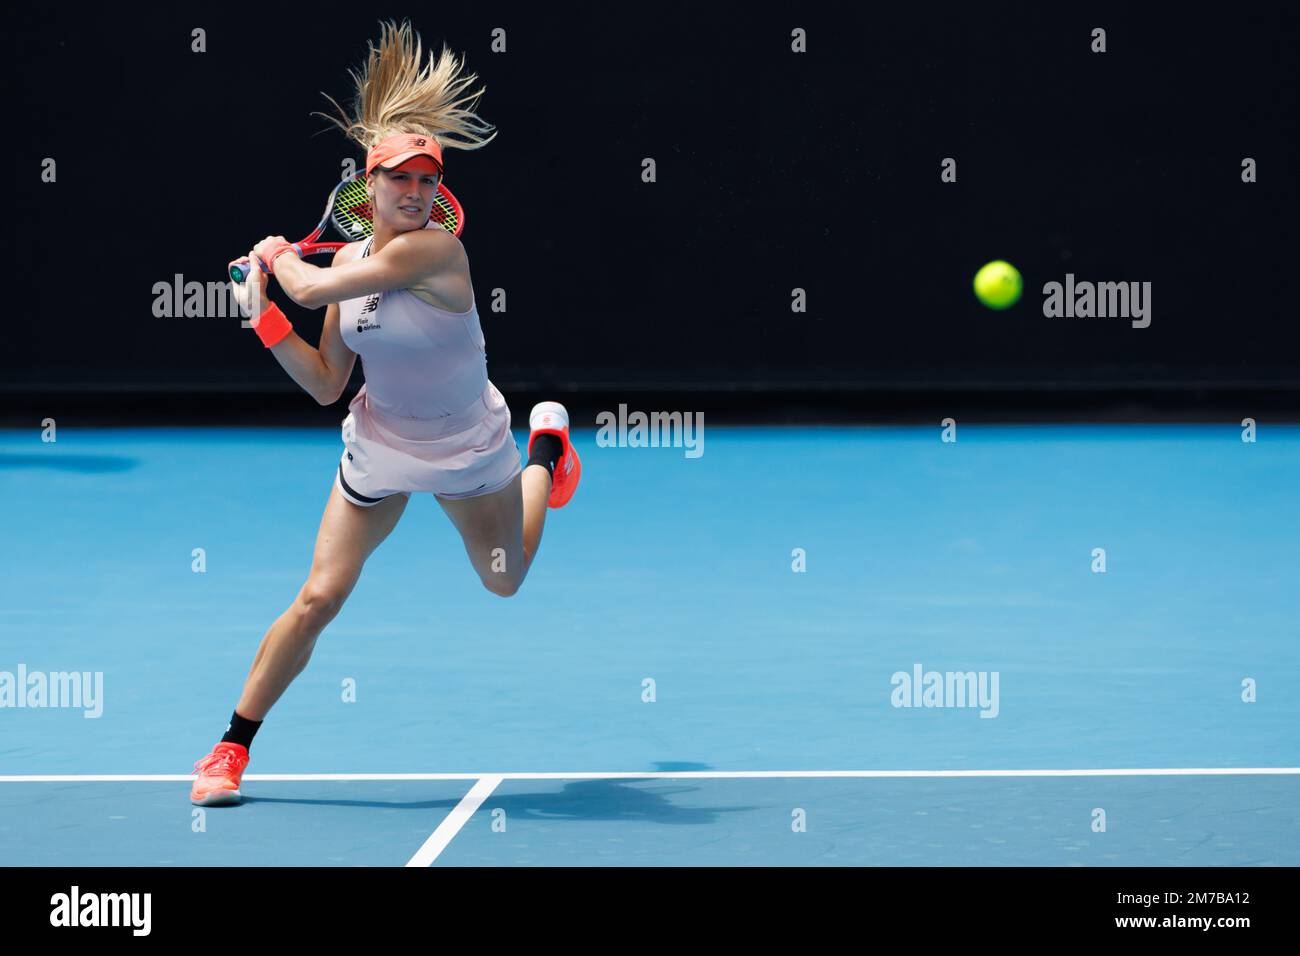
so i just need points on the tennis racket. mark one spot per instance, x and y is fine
(348, 208)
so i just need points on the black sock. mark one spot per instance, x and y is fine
(241, 731)
(547, 450)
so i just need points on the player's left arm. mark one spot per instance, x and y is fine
(409, 260)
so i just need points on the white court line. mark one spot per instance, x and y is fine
(662, 774)
(449, 827)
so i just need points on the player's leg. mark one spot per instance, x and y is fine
(348, 535)
(502, 530)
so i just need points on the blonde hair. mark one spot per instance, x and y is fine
(396, 92)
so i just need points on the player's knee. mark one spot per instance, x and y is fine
(321, 600)
(501, 585)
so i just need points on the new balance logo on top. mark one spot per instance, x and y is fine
(363, 318)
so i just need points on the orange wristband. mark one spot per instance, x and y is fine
(273, 251)
(271, 326)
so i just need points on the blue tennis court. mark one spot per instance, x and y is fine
(706, 666)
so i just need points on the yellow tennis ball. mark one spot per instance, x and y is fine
(998, 285)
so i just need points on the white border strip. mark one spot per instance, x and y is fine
(664, 774)
(458, 817)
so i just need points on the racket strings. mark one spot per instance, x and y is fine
(443, 214)
(351, 213)
(353, 216)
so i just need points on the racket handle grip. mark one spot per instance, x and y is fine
(239, 271)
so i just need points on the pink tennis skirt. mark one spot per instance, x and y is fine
(459, 456)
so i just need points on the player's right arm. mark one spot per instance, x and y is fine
(337, 358)
(322, 373)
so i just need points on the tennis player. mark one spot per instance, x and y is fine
(427, 418)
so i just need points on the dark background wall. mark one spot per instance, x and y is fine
(776, 170)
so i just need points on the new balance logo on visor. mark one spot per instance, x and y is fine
(421, 142)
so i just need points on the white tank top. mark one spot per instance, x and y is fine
(419, 362)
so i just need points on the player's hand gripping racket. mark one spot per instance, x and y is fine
(349, 209)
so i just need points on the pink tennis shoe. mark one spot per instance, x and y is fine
(219, 773)
(551, 418)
